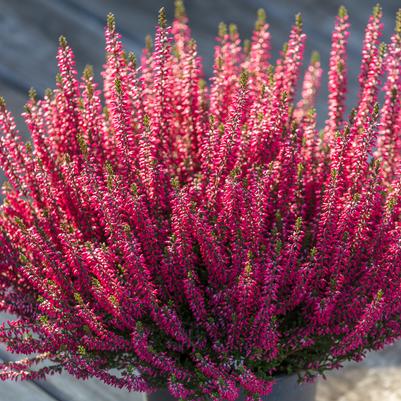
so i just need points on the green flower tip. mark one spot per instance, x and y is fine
(146, 121)
(377, 11)
(2, 102)
(88, 72)
(111, 22)
(202, 84)
(244, 78)
(179, 10)
(48, 93)
(78, 298)
(298, 20)
(162, 18)
(261, 19)
(261, 16)
(222, 29)
(398, 22)
(342, 12)
(81, 350)
(315, 58)
(233, 29)
(62, 41)
(32, 94)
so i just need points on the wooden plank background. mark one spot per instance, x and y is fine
(29, 31)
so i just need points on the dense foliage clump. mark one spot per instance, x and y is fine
(204, 237)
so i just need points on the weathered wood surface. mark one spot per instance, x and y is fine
(29, 31)
(59, 387)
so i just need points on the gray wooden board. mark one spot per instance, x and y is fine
(18, 391)
(29, 30)
(61, 387)
(378, 376)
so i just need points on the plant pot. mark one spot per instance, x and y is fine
(285, 389)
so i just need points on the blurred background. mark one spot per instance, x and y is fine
(29, 31)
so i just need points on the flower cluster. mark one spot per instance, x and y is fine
(204, 237)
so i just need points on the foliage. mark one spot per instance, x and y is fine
(204, 237)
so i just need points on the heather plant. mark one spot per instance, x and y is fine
(204, 236)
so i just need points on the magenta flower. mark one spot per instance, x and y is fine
(204, 238)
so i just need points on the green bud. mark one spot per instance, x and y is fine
(342, 12)
(78, 298)
(298, 20)
(179, 12)
(162, 18)
(377, 11)
(81, 350)
(111, 22)
(48, 93)
(315, 57)
(146, 121)
(222, 30)
(88, 72)
(261, 19)
(398, 22)
(33, 94)
(62, 41)
(23, 259)
(134, 189)
(233, 29)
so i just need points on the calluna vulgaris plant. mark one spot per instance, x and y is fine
(207, 238)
